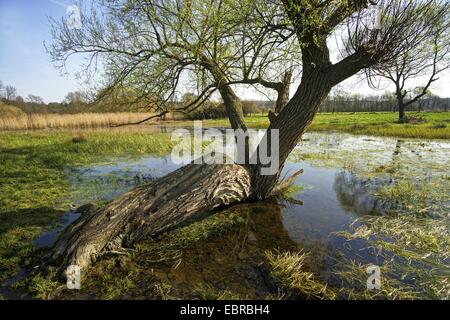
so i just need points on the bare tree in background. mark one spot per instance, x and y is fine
(425, 60)
(10, 92)
(34, 99)
(210, 39)
(2, 89)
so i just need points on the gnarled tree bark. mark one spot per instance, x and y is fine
(151, 209)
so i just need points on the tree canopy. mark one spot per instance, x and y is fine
(156, 47)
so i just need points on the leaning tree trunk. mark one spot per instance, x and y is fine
(148, 210)
(292, 123)
(151, 209)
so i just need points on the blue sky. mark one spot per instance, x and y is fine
(24, 64)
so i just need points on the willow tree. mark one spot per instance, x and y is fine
(191, 33)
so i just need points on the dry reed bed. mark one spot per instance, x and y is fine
(75, 121)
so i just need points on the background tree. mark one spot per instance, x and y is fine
(10, 92)
(75, 97)
(428, 59)
(20, 100)
(2, 90)
(34, 99)
(339, 97)
(429, 101)
(251, 107)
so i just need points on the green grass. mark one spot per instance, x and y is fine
(288, 270)
(34, 185)
(385, 124)
(435, 126)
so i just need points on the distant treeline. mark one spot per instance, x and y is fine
(69, 107)
(380, 103)
(212, 109)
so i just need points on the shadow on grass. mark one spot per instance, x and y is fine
(28, 218)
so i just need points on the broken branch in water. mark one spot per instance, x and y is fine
(282, 186)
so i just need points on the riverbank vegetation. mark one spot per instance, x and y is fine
(13, 118)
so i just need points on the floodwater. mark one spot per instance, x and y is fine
(342, 174)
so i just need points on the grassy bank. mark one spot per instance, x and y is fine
(430, 125)
(34, 186)
(435, 125)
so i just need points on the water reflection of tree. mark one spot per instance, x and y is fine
(353, 193)
(233, 260)
(356, 194)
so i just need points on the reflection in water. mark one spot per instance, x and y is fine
(232, 259)
(356, 194)
(398, 145)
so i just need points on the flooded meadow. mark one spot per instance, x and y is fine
(361, 201)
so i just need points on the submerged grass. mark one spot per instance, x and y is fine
(406, 193)
(170, 244)
(288, 270)
(415, 253)
(408, 235)
(354, 284)
(292, 191)
(411, 240)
